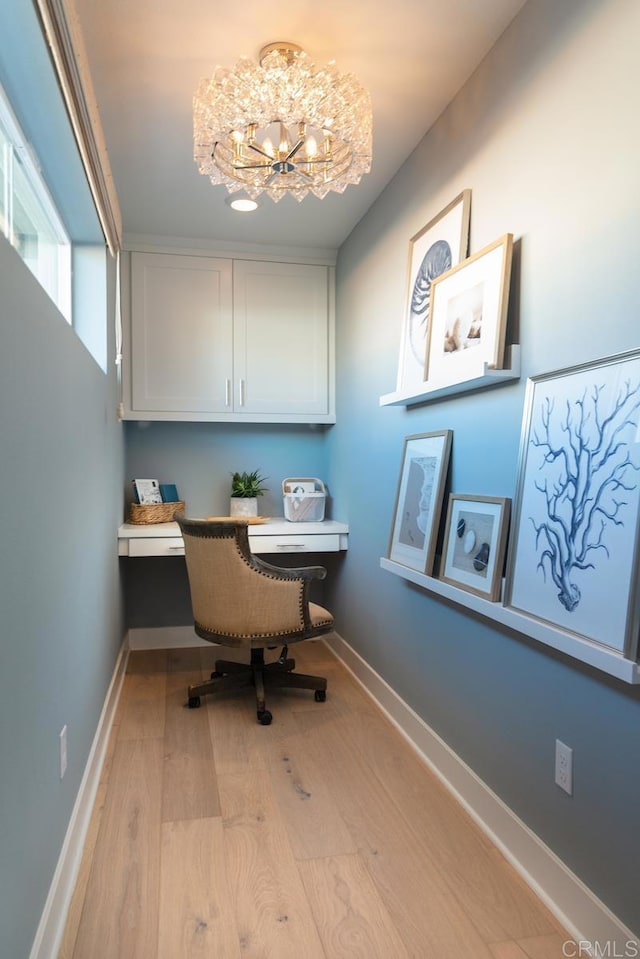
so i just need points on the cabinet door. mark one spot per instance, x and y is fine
(181, 336)
(281, 338)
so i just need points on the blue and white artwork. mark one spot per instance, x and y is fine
(419, 499)
(439, 246)
(577, 531)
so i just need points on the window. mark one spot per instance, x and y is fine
(28, 217)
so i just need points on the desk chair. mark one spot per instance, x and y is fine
(239, 600)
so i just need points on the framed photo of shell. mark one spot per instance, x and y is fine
(437, 247)
(416, 520)
(574, 555)
(468, 316)
(475, 543)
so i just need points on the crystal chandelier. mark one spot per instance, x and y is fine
(282, 125)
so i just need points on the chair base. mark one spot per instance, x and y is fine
(229, 675)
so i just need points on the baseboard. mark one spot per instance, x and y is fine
(579, 910)
(50, 930)
(165, 637)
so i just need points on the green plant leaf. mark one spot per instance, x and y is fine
(247, 485)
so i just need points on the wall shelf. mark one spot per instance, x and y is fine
(486, 378)
(607, 660)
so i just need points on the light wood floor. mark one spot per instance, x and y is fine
(321, 836)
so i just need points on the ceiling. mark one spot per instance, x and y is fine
(146, 58)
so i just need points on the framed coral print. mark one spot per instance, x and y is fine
(439, 245)
(573, 557)
(468, 315)
(423, 473)
(474, 545)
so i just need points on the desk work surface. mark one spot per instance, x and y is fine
(276, 535)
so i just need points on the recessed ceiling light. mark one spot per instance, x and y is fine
(242, 204)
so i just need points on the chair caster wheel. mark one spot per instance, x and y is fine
(194, 702)
(320, 695)
(264, 717)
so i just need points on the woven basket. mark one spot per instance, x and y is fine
(154, 512)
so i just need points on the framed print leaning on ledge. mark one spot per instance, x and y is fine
(573, 557)
(474, 544)
(418, 507)
(468, 316)
(438, 246)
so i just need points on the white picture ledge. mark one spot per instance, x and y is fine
(606, 660)
(486, 377)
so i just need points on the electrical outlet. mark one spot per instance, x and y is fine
(564, 767)
(63, 751)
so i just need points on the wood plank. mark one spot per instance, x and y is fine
(507, 950)
(190, 786)
(143, 710)
(352, 919)
(273, 914)
(197, 918)
(76, 906)
(314, 825)
(428, 916)
(234, 731)
(551, 947)
(489, 890)
(147, 661)
(120, 914)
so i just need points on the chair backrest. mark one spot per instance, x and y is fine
(236, 598)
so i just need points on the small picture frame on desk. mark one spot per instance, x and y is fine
(169, 492)
(147, 491)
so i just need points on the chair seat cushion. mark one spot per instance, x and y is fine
(319, 615)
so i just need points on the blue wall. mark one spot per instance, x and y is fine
(200, 459)
(61, 464)
(545, 134)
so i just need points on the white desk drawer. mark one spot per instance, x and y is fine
(157, 546)
(311, 543)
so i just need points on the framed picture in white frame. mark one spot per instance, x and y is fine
(474, 543)
(573, 557)
(418, 507)
(468, 316)
(438, 246)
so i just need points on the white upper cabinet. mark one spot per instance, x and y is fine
(281, 337)
(212, 338)
(181, 334)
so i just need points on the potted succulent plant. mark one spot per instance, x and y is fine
(245, 489)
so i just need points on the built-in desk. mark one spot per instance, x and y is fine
(276, 535)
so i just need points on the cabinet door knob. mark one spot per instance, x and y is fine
(241, 391)
(227, 392)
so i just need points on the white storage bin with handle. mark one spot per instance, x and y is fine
(304, 499)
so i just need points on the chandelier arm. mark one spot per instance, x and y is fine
(316, 161)
(253, 166)
(263, 153)
(295, 149)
